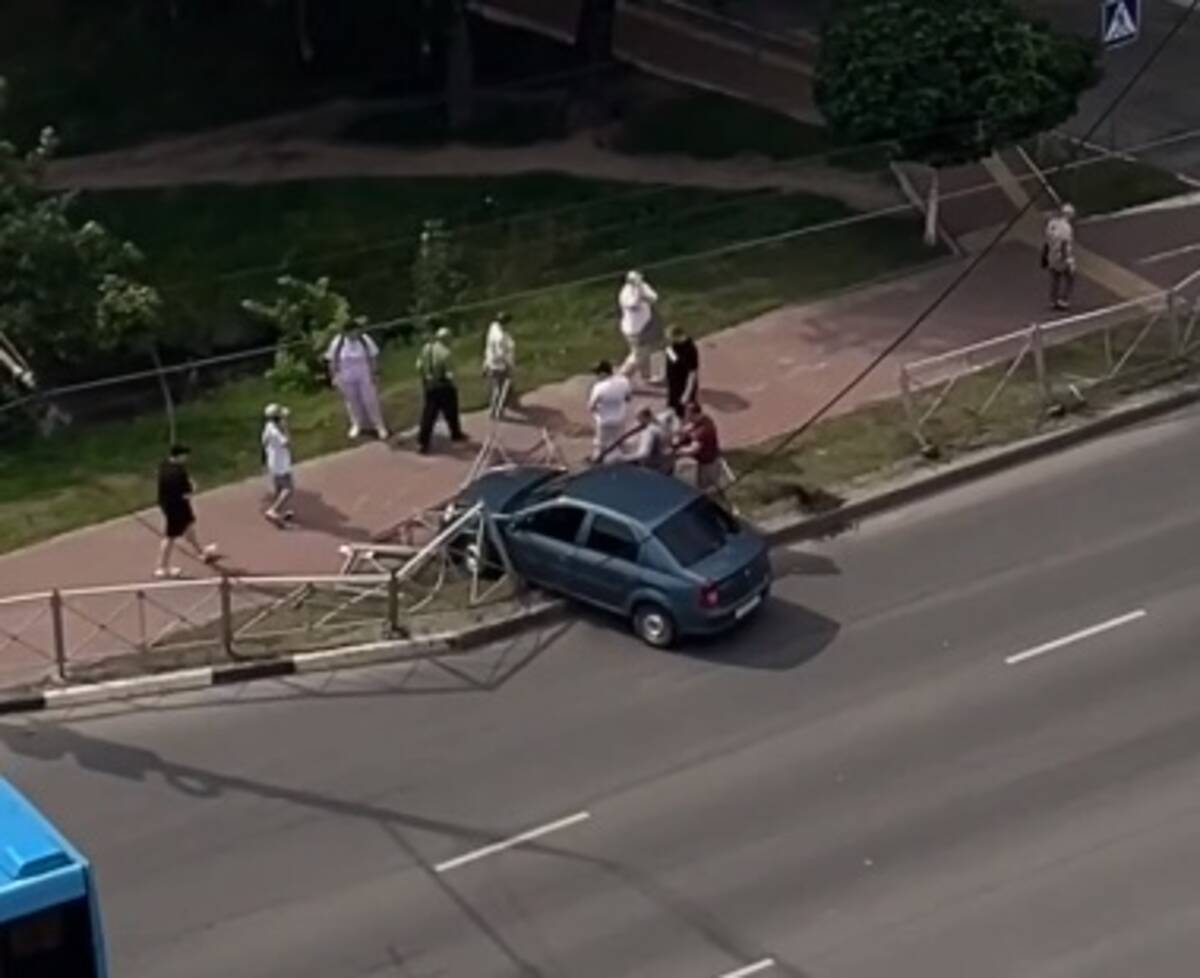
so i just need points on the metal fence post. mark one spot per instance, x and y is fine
(393, 604)
(225, 590)
(1039, 364)
(59, 632)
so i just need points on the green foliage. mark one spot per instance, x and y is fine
(438, 281)
(68, 290)
(945, 81)
(306, 316)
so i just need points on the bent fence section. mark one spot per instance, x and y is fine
(1020, 377)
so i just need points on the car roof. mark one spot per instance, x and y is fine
(639, 493)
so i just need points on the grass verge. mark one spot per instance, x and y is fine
(204, 237)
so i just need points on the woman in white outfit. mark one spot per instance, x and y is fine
(609, 407)
(353, 365)
(639, 325)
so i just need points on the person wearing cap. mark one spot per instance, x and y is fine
(175, 491)
(1058, 256)
(499, 362)
(639, 325)
(353, 359)
(436, 370)
(653, 448)
(277, 456)
(608, 404)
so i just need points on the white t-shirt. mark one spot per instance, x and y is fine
(350, 353)
(609, 402)
(278, 449)
(499, 352)
(637, 306)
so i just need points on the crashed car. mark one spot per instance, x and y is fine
(630, 541)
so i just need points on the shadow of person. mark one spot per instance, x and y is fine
(314, 513)
(726, 402)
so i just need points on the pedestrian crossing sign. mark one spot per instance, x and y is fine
(1120, 22)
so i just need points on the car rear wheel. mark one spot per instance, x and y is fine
(654, 625)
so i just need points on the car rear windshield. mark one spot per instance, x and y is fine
(697, 531)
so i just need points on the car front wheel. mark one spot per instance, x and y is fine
(655, 626)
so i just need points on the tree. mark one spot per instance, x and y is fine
(946, 82)
(69, 290)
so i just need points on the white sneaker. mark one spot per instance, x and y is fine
(354, 431)
(210, 553)
(165, 572)
(383, 434)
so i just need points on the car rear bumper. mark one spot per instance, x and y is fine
(723, 619)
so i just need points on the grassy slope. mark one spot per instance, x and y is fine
(104, 470)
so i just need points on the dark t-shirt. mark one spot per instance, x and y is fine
(174, 486)
(683, 360)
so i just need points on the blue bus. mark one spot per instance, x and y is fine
(49, 914)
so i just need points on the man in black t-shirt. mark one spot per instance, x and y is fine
(683, 372)
(175, 491)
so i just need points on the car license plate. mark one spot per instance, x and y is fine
(748, 607)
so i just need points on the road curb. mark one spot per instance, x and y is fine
(977, 466)
(541, 611)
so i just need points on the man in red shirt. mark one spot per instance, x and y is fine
(699, 440)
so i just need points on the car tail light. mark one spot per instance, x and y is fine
(710, 597)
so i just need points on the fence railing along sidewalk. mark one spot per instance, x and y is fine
(1047, 366)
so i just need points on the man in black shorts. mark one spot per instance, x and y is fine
(175, 490)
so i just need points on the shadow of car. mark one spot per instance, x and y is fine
(629, 541)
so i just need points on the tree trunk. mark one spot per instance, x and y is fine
(931, 207)
(303, 29)
(460, 70)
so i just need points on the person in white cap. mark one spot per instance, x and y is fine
(1058, 256)
(277, 456)
(436, 370)
(639, 325)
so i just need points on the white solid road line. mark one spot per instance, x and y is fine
(750, 969)
(516, 840)
(1173, 253)
(1058, 643)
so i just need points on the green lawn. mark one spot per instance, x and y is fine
(709, 126)
(105, 469)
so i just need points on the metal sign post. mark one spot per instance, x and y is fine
(1120, 22)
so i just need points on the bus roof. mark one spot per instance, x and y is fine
(29, 844)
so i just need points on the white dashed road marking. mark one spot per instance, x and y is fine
(1058, 643)
(497, 847)
(750, 969)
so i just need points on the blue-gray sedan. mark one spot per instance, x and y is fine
(630, 541)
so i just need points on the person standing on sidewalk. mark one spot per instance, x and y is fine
(353, 359)
(683, 371)
(653, 449)
(1058, 256)
(175, 491)
(699, 440)
(436, 370)
(277, 454)
(639, 325)
(499, 364)
(609, 407)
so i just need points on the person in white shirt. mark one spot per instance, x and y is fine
(1058, 256)
(499, 362)
(277, 456)
(353, 359)
(653, 443)
(639, 325)
(609, 407)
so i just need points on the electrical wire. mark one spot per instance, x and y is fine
(905, 334)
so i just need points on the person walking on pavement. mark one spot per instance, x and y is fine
(277, 455)
(499, 364)
(435, 368)
(353, 359)
(699, 441)
(653, 449)
(608, 404)
(175, 491)
(639, 325)
(1058, 256)
(683, 371)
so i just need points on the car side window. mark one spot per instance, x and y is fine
(556, 522)
(613, 539)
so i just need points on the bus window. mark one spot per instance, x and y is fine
(53, 943)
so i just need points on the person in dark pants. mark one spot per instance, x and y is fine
(436, 371)
(683, 372)
(175, 489)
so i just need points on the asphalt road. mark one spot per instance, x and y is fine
(860, 784)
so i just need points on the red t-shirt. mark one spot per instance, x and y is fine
(703, 434)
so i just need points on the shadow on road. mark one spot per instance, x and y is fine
(797, 563)
(781, 636)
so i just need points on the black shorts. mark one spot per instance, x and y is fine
(178, 520)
